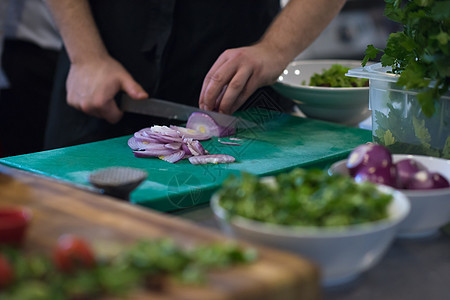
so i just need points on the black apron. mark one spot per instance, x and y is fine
(168, 46)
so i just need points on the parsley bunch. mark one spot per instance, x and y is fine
(420, 53)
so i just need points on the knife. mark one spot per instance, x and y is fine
(171, 110)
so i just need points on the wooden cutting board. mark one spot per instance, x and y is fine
(60, 208)
(280, 143)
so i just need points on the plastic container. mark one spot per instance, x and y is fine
(397, 118)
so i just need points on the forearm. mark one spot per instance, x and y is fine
(78, 29)
(298, 25)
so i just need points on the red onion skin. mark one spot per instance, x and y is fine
(439, 181)
(186, 149)
(195, 147)
(406, 168)
(381, 175)
(422, 180)
(368, 155)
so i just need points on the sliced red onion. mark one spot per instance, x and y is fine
(154, 152)
(211, 159)
(164, 130)
(368, 155)
(174, 157)
(406, 168)
(439, 181)
(191, 133)
(235, 139)
(145, 131)
(135, 144)
(166, 138)
(195, 147)
(174, 146)
(141, 136)
(206, 125)
(186, 149)
(228, 143)
(148, 135)
(378, 174)
(155, 146)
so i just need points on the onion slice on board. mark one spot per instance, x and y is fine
(206, 125)
(211, 159)
(191, 133)
(174, 157)
(195, 147)
(135, 144)
(173, 143)
(174, 146)
(228, 143)
(154, 152)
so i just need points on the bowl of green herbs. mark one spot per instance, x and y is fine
(321, 90)
(343, 226)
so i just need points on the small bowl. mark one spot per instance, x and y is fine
(430, 209)
(341, 252)
(344, 105)
(14, 222)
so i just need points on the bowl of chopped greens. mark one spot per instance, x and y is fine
(322, 91)
(343, 226)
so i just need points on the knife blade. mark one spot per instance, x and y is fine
(171, 110)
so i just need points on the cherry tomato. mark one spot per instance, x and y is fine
(71, 253)
(6, 272)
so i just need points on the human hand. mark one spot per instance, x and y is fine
(236, 74)
(91, 88)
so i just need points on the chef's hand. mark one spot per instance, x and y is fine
(91, 88)
(236, 74)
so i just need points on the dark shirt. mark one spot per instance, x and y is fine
(168, 46)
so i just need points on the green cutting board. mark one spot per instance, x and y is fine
(278, 145)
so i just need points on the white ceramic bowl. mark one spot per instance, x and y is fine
(430, 209)
(342, 105)
(341, 253)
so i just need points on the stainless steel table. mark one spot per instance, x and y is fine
(412, 269)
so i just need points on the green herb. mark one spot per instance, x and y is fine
(421, 52)
(147, 263)
(304, 198)
(335, 77)
(401, 124)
